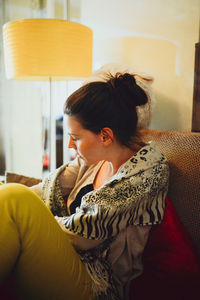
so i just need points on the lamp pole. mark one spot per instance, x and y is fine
(52, 130)
(66, 154)
(51, 134)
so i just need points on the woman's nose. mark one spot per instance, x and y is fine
(72, 144)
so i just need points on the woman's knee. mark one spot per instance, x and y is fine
(23, 206)
(17, 194)
(13, 187)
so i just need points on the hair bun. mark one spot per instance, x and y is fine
(126, 83)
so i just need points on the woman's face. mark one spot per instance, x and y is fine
(87, 144)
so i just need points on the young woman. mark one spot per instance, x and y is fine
(105, 202)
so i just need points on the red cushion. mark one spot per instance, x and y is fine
(171, 263)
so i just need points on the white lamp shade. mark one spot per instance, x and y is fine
(39, 49)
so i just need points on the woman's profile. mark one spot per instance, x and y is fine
(104, 201)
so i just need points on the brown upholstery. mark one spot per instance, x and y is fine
(28, 181)
(183, 153)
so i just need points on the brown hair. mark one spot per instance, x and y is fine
(108, 104)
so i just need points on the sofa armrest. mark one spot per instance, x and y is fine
(28, 181)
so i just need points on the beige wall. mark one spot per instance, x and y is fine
(154, 36)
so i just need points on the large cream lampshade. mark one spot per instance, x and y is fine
(47, 49)
(36, 49)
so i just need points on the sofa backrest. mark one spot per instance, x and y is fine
(182, 150)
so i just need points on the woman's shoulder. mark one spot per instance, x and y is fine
(145, 159)
(146, 170)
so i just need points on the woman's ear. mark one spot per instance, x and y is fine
(106, 136)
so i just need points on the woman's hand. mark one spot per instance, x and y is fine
(37, 189)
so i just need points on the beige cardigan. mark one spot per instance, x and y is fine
(117, 217)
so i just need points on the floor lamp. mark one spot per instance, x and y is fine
(47, 50)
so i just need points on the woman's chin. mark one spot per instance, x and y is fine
(86, 161)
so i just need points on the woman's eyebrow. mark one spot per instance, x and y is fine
(71, 133)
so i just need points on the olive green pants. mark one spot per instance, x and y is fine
(34, 247)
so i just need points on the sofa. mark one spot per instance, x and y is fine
(172, 258)
(182, 150)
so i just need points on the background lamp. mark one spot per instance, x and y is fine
(47, 50)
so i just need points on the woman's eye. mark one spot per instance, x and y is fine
(74, 139)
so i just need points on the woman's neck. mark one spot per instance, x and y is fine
(120, 156)
(112, 164)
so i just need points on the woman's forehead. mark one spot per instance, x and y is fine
(74, 126)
